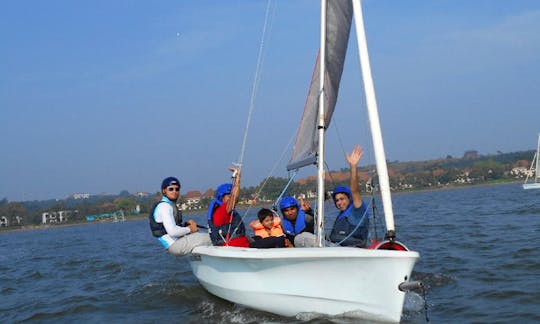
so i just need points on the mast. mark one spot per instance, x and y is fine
(321, 128)
(373, 115)
(537, 175)
(538, 159)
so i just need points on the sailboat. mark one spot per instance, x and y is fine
(368, 283)
(535, 168)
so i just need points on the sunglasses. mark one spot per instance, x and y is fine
(173, 189)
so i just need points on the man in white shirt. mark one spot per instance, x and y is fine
(166, 222)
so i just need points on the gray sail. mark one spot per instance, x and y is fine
(338, 27)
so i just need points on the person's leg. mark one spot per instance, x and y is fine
(185, 244)
(305, 239)
(269, 242)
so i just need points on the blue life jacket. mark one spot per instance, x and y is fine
(235, 228)
(300, 225)
(347, 223)
(158, 230)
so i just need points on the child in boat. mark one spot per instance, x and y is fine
(268, 231)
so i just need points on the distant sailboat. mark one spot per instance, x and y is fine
(368, 283)
(535, 167)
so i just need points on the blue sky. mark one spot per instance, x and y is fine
(103, 96)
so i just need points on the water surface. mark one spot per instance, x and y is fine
(480, 259)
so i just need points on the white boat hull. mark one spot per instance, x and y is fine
(535, 185)
(333, 281)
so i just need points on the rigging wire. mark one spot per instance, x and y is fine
(254, 90)
(362, 220)
(261, 187)
(256, 82)
(340, 139)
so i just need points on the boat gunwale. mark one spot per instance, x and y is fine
(300, 253)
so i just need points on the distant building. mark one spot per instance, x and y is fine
(463, 178)
(141, 194)
(10, 221)
(469, 155)
(60, 216)
(193, 199)
(520, 172)
(81, 195)
(209, 194)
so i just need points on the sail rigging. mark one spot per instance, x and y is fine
(338, 27)
(256, 82)
(309, 146)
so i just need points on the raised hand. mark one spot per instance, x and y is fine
(304, 205)
(355, 155)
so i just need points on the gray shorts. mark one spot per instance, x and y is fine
(305, 239)
(187, 243)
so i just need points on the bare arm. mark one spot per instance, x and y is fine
(235, 191)
(353, 160)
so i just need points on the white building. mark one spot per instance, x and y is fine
(60, 216)
(81, 196)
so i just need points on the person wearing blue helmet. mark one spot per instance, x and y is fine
(166, 222)
(225, 224)
(351, 225)
(298, 222)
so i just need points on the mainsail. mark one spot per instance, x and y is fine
(338, 27)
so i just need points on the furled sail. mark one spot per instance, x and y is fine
(338, 27)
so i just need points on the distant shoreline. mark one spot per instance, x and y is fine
(453, 187)
(25, 228)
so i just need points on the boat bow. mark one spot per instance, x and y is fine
(333, 281)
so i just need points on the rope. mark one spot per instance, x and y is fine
(256, 82)
(258, 193)
(340, 139)
(361, 221)
(255, 88)
(330, 174)
(284, 189)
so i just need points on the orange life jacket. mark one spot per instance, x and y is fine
(259, 230)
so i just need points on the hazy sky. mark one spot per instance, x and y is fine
(103, 96)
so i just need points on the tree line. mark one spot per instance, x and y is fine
(403, 176)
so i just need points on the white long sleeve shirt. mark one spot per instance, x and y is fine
(164, 213)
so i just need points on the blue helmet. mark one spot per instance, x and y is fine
(341, 189)
(169, 181)
(222, 190)
(287, 202)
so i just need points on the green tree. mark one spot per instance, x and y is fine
(126, 203)
(13, 209)
(487, 170)
(273, 187)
